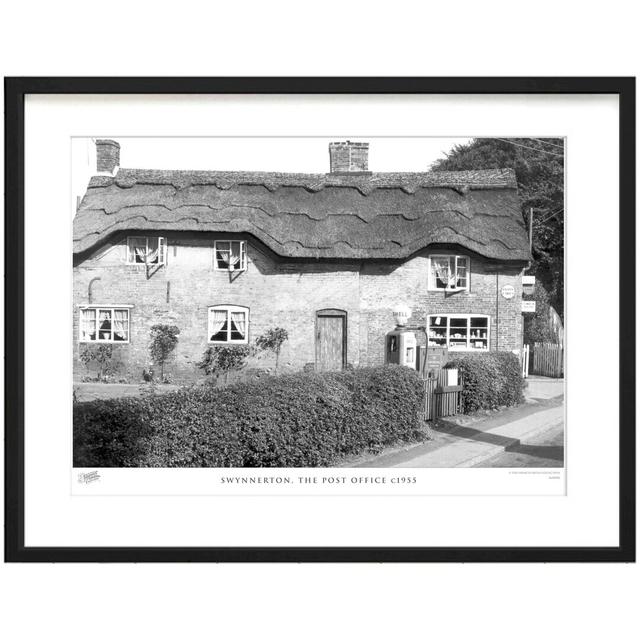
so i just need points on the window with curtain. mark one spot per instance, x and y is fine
(104, 324)
(146, 250)
(228, 324)
(448, 272)
(230, 255)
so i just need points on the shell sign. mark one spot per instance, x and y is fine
(401, 315)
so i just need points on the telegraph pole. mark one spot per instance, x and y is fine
(530, 229)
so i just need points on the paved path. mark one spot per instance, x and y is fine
(481, 439)
(546, 450)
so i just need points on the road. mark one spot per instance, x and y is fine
(545, 450)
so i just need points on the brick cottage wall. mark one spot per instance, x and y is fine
(279, 294)
(382, 287)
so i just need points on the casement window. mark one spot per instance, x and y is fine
(459, 331)
(228, 324)
(230, 255)
(104, 324)
(146, 250)
(448, 273)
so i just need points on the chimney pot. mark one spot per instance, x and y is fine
(349, 157)
(107, 156)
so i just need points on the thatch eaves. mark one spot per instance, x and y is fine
(350, 216)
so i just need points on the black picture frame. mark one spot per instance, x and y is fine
(15, 91)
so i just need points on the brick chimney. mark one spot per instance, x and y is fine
(349, 157)
(107, 157)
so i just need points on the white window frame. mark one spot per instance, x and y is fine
(98, 309)
(162, 250)
(432, 286)
(229, 308)
(468, 317)
(243, 255)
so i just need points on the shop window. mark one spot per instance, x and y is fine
(459, 332)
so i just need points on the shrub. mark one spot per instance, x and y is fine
(491, 380)
(164, 339)
(272, 340)
(295, 420)
(106, 360)
(222, 360)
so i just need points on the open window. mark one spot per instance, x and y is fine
(230, 255)
(104, 324)
(146, 250)
(459, 331)
(448, 273)
(228, 324)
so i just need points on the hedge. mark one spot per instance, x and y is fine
(491, 380)
(296, 420)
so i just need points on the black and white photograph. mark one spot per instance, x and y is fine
(355, 302)
(360, 319)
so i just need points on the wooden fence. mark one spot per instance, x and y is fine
(442, 395)
(548, 359)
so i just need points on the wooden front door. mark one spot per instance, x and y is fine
(331, 345)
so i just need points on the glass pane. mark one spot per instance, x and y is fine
(437, 332)
(234, 259)
(458, 331)
(88, 324)
(222, 254)
(219, 332)
(121, 325)
(104, 324)
(238, 325)
(461, 273)
(440, 272)
(137, 250)
(218, 327)
(479, 332)
(152, 251)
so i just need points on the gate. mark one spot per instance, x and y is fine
(442, 394)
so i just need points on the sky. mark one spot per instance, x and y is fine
(294, 154)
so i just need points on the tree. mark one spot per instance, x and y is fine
(537, 326)
(272, 340)
(223, 360)
(164, 339)
(539, 167)
(104, 357)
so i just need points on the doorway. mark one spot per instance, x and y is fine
(331, 340)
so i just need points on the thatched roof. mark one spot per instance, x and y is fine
(356, 215)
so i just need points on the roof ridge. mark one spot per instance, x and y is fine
(365, 182)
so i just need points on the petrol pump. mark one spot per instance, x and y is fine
(400, 343)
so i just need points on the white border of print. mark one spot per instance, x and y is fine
(54, 517)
